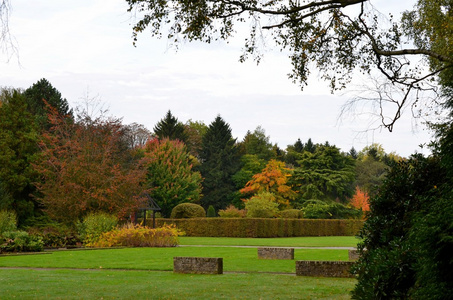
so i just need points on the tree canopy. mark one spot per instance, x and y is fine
(340, 38)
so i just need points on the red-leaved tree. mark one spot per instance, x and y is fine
(85, 167)
(360, 200)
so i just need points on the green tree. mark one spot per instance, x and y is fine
(18, 147)
(257, 143)
(170, 127)
(326, 174)
(195, 130)
(36, 97)
(219, 162)
(392, 265)
(170, 175)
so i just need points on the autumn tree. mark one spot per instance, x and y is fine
(18, 147)
(170, 127)
(219, 162)
(272, 179)
(170, 175)
(338, 38)
(360, 200)
(85, 167)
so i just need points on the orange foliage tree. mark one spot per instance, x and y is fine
(360, 200)
(85, 166)
(273, 178)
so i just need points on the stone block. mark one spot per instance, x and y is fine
(353, 255)
(275, 253)
(198, 265)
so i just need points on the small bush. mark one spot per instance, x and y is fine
(188, 210)
(20, 241)
(56, 235)
(138, 236)
(94, 225)
(211, 212)
(262, 205)
(8, 221)
(291, 214)
(232, 212)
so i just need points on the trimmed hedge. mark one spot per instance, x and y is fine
(263, 228)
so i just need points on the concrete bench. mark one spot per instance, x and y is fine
(275, 253)
(324, 268)
(198, 265)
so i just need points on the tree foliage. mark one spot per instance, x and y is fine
(85, 167)
(325, 174)
(170, 127)
(360, 200)
(339, 38)
(402, 215)
(219, 162)
(41, 94)
(18, 147)
(272, 179)
(170, 174)
(257, 143)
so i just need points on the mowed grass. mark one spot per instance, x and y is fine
(109, 284)
(161, 259)
(147, 273)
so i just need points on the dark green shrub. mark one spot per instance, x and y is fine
(316, 211)
(188, 210)
(20, 241)
(211, 212)
(291, 214)
(94, 225)
(8, 221)
(408, 236)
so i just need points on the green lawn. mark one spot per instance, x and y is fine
(147, 272)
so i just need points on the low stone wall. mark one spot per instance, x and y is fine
(324, 268)
(275, 253)
(353, 255)
(198, 265)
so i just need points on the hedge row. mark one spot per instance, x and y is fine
(262, 228)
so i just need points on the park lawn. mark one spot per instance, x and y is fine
(323, 241)
(161, 259)
(110, 284)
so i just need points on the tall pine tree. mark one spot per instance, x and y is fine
(219, 161)
(169, 127)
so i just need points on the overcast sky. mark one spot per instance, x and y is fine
(84, 48)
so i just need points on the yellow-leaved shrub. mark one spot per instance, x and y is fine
(131, 235)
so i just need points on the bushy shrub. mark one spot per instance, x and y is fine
(211, 212)
(291, 214)
(232, 212)
(56, 235)
(8, 221)
(188, 210)
(94, 224)
(20, 241)
(262, 205)
(131, 235)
